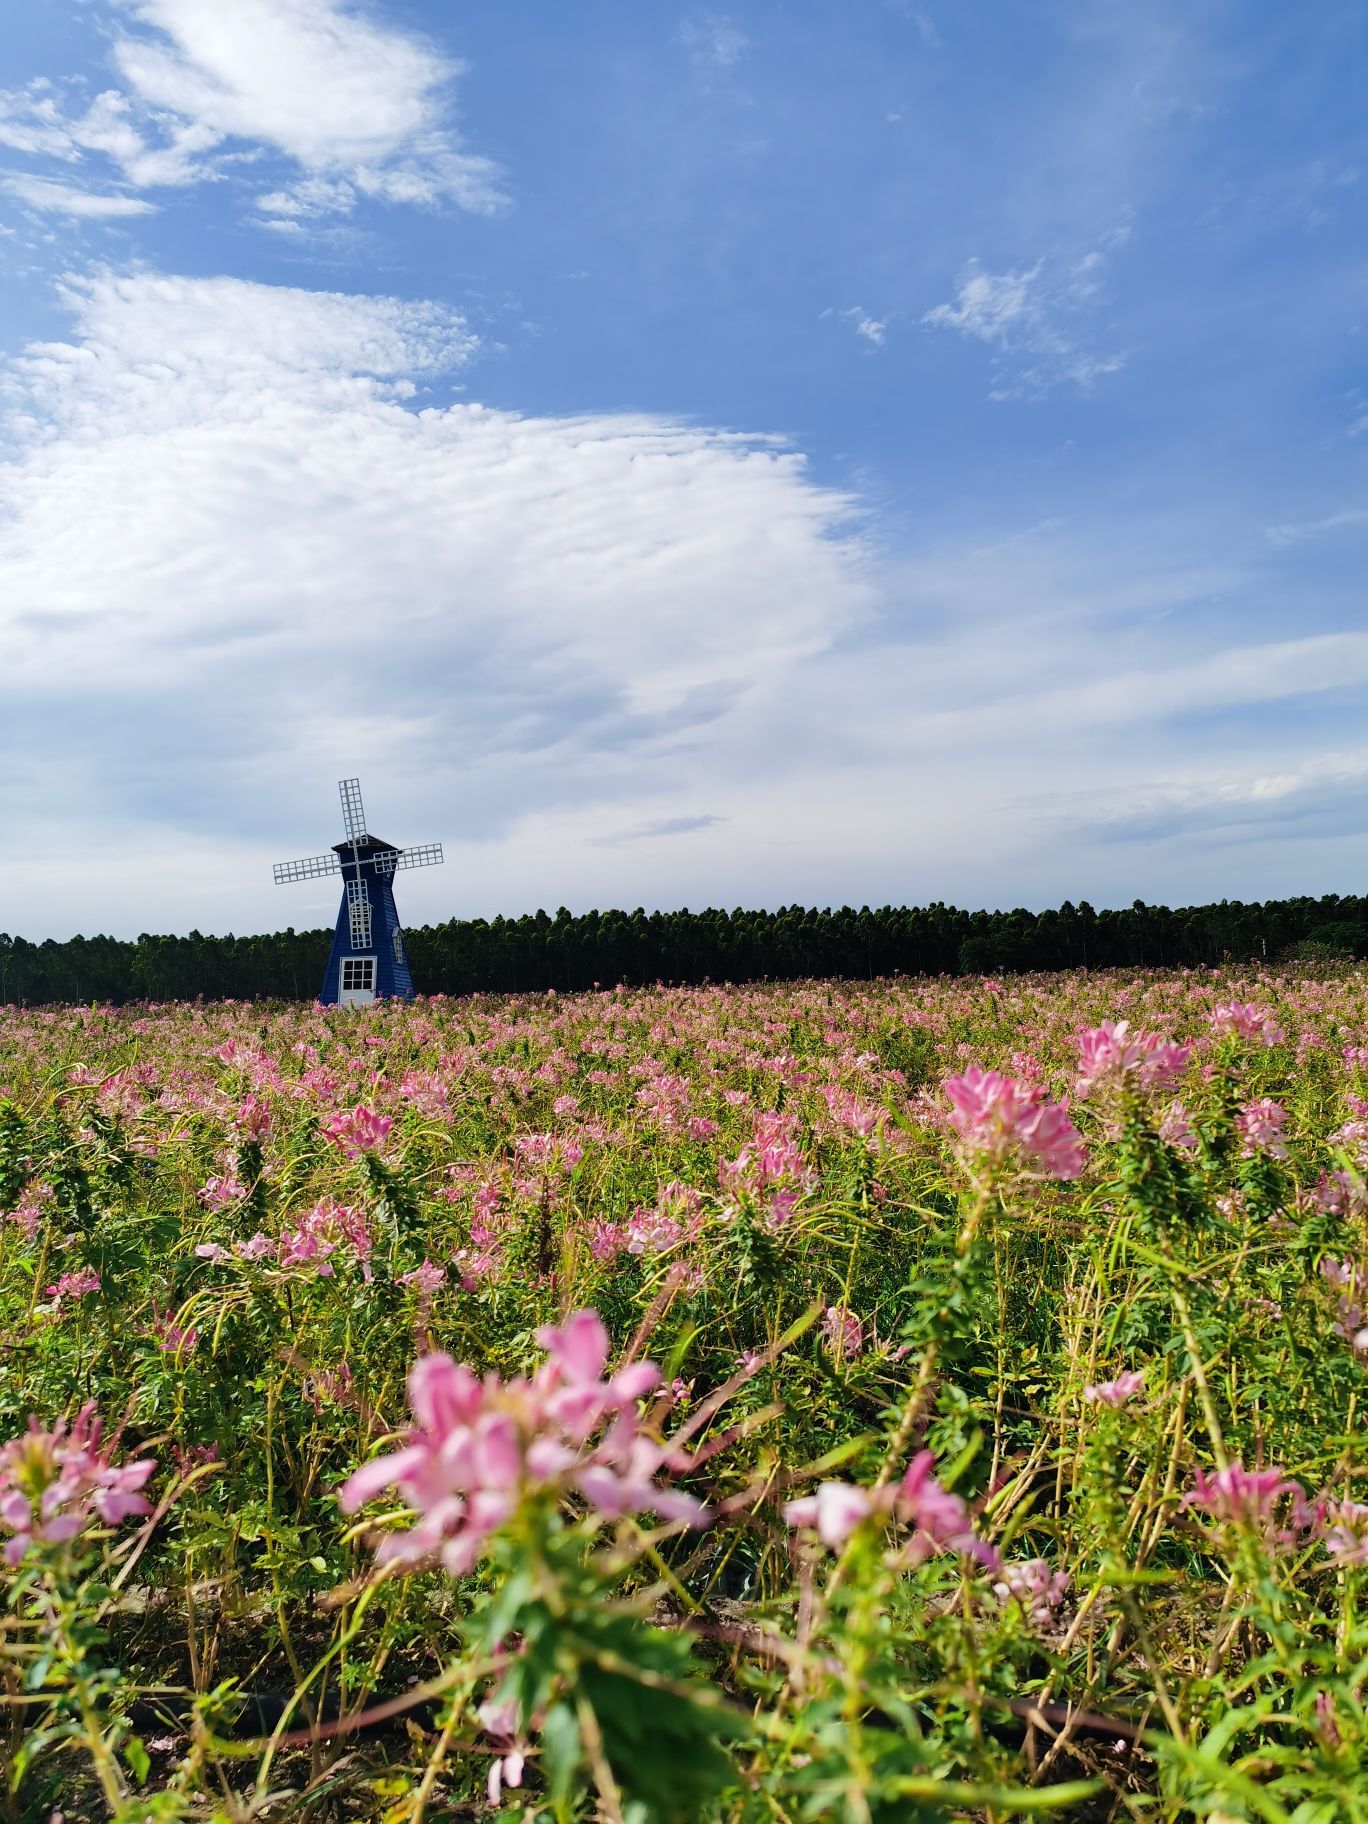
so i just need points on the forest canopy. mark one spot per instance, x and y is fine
(572, 951)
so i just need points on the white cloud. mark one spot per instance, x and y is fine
(1030, 317)
(359, 108)
(67, 199)
(873, 329)
(239, 557)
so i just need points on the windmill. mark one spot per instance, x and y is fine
(367, 959)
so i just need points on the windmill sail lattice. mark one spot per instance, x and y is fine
(368, 960)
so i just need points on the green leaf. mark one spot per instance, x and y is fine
(561, 1750)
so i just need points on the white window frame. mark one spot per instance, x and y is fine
(357, 993)
(398, 941)
(359, 914)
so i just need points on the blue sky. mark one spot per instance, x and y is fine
(681, 455)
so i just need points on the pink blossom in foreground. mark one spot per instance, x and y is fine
(478, 1447)
(54, 1483)
(939, 1521)
(999, 1118)
(360, 1131)
(1263, 1125)
(1117, 1392)
(835, 1509)
(1113, 1054)
(1038, 1589)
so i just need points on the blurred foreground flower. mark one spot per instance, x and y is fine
(54, 1483)
(1117, 1392)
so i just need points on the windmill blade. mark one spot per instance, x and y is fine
(422, 855)
(308, 869)
(353, 811)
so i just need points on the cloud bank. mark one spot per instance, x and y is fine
(247, 546)
(354, 108)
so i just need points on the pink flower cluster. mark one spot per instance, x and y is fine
(1245, 1020)
(771, 1168)
(1112, 1055)
(1350, 1321)
(53, 1484)
(78, 1284)
(1263, 1125)
(848, 1111)
(479, 1446)
(173, 1338)
(1248, 1497)
(939, 1521)
(359, 1131)
(327, 1230)
(1000, 1119)
(1039, 1590)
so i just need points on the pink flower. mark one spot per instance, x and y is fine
(938, 1519)
(1346, 1531)
(998, 1119)
(478, 1447)
(1038, 1589)
(1117, 1392)
(847, 1110)
(835, 1510)
(327, 1229)
(253, 1119)
(174, 1338)
(361, 1131)
(53, 1484)
(1175, 1129)
(217, 1193)
(425, 1280)
(1264, 1125)
(1112, 1054)
(1242, 1496)
(842, 1332)
(1246, 1020)
(1339, 1193)
(79, 1284)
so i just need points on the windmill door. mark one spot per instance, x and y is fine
(357, 985)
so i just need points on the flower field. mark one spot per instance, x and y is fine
(882, 1401)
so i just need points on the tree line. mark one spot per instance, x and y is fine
(570, 951)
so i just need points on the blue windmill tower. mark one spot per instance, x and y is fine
(367, 960)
